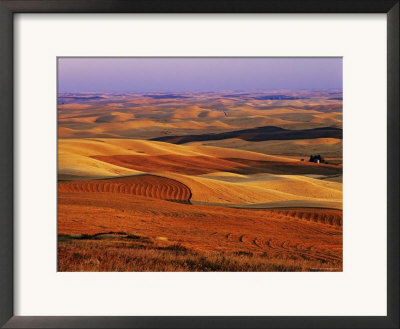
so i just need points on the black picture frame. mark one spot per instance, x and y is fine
(10, 7)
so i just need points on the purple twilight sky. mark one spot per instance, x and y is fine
(133, 74)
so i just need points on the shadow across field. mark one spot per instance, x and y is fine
(258, 134)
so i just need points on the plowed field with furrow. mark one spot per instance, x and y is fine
(291, 235)
(149, 186)
(323, 216)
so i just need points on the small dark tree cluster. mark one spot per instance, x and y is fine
(315, 158)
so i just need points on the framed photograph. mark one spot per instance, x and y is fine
(199, 164)
(213, 164)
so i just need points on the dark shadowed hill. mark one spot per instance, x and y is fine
(258, 134)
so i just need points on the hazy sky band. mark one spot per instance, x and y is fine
(158, 74)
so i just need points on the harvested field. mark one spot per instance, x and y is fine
(310, 237)
(118, 253)
(245, 191)
(141, 185)
(198, 165)
(189, 165)
(324, 216)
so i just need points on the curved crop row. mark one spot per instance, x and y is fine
(324, 216)
(150, 186)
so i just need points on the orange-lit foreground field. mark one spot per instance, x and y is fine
(120, 231)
